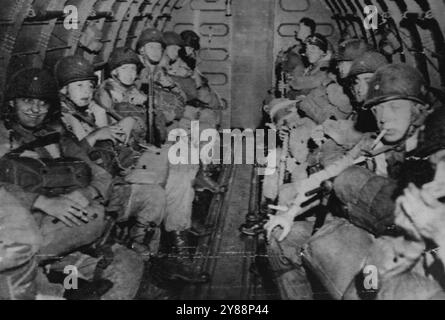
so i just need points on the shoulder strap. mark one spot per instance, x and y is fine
(51, 138)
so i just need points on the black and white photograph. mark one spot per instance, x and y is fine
(222, 155)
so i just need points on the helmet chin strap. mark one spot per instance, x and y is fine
(115, 77)
(150, 61)
(70, 101)
(417, 119)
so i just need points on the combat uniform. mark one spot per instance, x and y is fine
(169, 107)
(342, 134)
(203, 103)
(283, 112)
(289, 65)
(143, 201)
(170, 100)
(372, 194)
(27, 236)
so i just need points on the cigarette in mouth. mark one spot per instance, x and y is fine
(378, 139)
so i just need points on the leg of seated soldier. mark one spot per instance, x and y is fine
(286, 262)
(19, 242)
(145, 203)
(209, 153)
(180, 196)
(410, 286)
(403, 271)
(59, 239)
(270, 186)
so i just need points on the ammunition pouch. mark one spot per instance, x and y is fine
(369, 199)
(113, 159)
(49, 177)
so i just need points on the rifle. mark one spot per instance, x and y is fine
(387, 20)
(282, 85)
(283, 161)
(318, 184)
(150, 138)
(408, 22)
(428, 22)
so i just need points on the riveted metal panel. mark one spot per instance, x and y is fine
(214, 54)
(217, 78)
(214, 30)
(251, 60)
(287, 30)
(294, 6)
(208, 5)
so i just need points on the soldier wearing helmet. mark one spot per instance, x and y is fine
(76, 80)
(91, 125)
(169, 99)
(319, 57)
(150, 46)
(138, 191)
(396, 96)
(348, 51)
(203, 103)
(406, 257)
(362, 70)
(191, 48)
(174, 43)
(119, 93)
(293, 59)
(43, 217)
(169, 106)
(176, 67)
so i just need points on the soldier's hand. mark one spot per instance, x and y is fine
(283, 220)
(284, 132)
(127, 124)
(63, 209)
(138, 98)
(165, 81)
(113, 133)
(288, 192)
(78, 198)
(318, 135)
(425, 211)
(118, 133)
